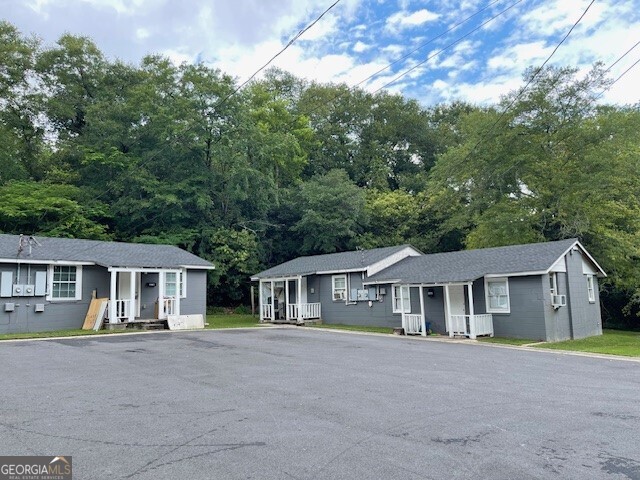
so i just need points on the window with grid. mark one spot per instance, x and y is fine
(497, 295)
(339, 287)
(173, 283)
(65, 282)
(401, 295)
(170, 284)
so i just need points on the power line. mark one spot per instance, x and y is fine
(220, 103)
(589, 102)
(455, 26)
(421, 46)
(619, 77)
(342, 94)
(289, 43)
(447, 47)
(524, 89)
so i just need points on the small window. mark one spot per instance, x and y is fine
(497, 295)
(65, 282)
(339, 287)
(591, 291)
(553, 283)
(401, 294)
(175, 282)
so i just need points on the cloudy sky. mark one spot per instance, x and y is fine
(439, 50)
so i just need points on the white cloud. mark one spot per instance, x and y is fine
(483, 92)
(355, 39)
(558, 16)
(394, 50)
(360, 47)
(403, 19)
(142, 33)
(519, 57)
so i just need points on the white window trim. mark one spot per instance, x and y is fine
(333, 288)
(486, 295)
(407, 306)
(50, 297)
(183, 283)
(591, 289)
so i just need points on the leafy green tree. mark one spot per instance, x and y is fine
(56, 210)
(235, 256)
(332, 213)
(21, 134)
(553, 166)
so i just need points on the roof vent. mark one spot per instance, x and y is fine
(27, 242)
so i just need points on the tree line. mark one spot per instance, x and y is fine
(154, 152)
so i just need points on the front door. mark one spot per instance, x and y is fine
(124, 289)
(456, 301)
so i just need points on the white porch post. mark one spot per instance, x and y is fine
(132, 296)
(448, 314)
(424, 317)
(112, 298)
(260, 301)
(404, 326)
(273, 301)
(286, 298)
(176, 304)
(299, 299)
(472, 319)
(161, 288)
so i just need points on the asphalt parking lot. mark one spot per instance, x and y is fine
(305, 404)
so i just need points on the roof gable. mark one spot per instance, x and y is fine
(107, 254)
(469, 265)
(356, 261)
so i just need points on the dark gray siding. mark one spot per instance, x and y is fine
(558, 321)
(60, 315)
(313, 289)
(585, 316)
(356, 313)
(478, 297)
(196, 300)
(527, 316)
(63, 315)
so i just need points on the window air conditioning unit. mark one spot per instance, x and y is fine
(339, 295)
(558, 301)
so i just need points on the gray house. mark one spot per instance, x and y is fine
(48, 283)
(546, 291)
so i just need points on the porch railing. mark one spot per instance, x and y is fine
(122, 309)
(307, 310)
(266, 312)
(412, 324)
(169, 306)
(471, 325)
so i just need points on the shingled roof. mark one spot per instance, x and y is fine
(106, 254)
(331, 262)
(469, 265)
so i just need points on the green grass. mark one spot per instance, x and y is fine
(57, 333)
(356, 328)
(612, 342)
(233, 320)
(506, 340)
(214, 321)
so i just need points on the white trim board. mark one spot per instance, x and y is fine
(44, 262)
(198, 267)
